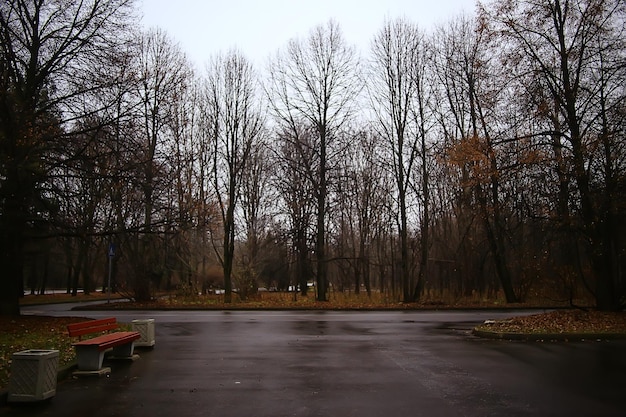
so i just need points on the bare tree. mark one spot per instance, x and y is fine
(124, 202)
(397, 92)
(295, 151)
(234, 125)
(185, 155)
(361, 195)
(256, 202)
(313, 83)
(474, 128)
(457, 218)
(164, 74)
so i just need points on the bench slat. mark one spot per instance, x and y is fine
(92, 326)
(110, 340)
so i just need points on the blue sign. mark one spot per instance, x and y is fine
(111, 250)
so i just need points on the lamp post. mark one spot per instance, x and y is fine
(111, 255)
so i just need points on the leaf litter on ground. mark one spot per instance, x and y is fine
(562, 322)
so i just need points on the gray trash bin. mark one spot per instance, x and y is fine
(33, 375)
(146, 330)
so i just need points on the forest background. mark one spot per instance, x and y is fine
(485, 158)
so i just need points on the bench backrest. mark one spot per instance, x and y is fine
(92, 326)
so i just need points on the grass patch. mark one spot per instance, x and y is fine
(34, 332)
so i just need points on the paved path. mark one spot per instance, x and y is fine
(343, 364)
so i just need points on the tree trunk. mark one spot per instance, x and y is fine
(12, 266)
(322, 266)
(320, 244)
(229, 252)
(421, 278)
(407, 294)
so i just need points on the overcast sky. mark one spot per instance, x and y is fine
(259, 28)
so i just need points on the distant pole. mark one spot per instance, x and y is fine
(111, 255)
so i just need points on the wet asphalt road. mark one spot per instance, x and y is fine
(342, 364)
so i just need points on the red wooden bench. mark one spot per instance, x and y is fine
(90, 352)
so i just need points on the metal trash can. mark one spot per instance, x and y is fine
(145, 328)
(33, 375)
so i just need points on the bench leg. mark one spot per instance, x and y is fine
(124, 351)
(89, 358)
